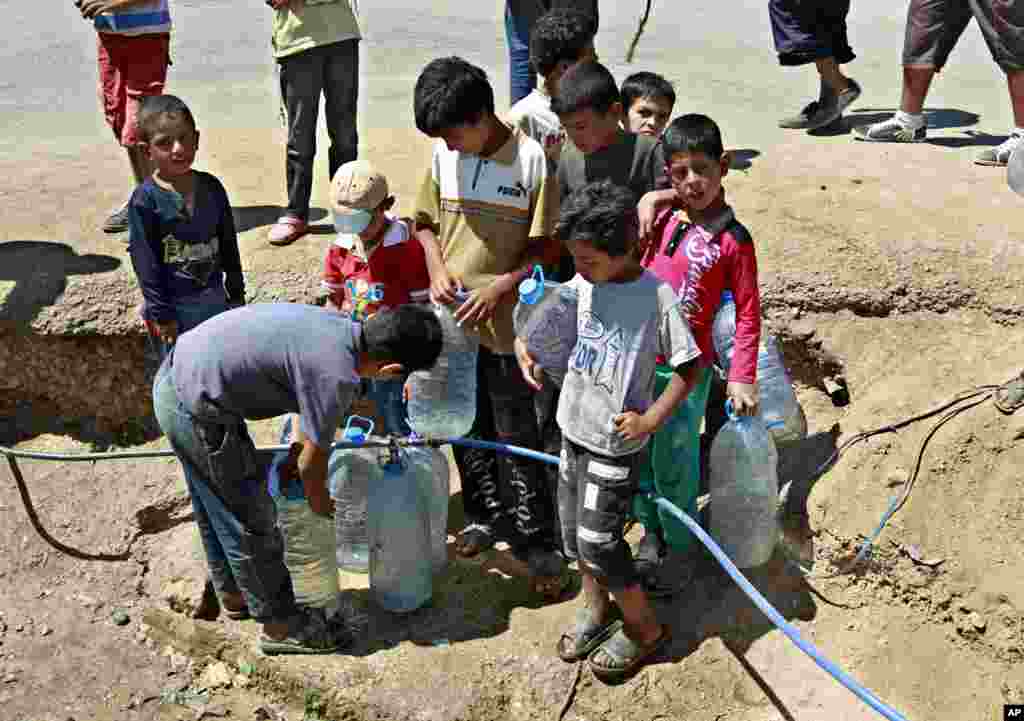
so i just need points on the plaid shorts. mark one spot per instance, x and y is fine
(935, 26)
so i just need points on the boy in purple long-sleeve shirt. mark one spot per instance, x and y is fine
(182, 236)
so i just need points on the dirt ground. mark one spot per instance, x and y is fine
(902, 261)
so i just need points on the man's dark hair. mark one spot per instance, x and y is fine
(693, 133)
(646, 85)
(450, 92)
(585, 85)
(560, 35)
(409, 334)
(601, 214)
(155, 108)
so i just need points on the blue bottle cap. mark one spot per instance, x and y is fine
(357, 434)
(727, 296)
(532, 289)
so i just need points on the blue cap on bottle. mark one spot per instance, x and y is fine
(532, 289)
(727, 296)
(357, 434)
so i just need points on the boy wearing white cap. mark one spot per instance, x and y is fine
(373, 264)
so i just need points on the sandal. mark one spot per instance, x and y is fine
(548, 575)
(620, 657)
(1010, 395)
(586, 636)
(474, 540)
(308, 633)
(287, 230)
(675, 573)
(649, 554)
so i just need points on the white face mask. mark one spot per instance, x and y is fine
(354, 222)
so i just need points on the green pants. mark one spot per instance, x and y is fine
(672, 469)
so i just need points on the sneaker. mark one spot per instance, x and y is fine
(648, 555)
(309, 632)
(675, 573)
(800, 120)
(831, 106)
(891, 131)
(118, 221)
(1000, 155)
(848, 98)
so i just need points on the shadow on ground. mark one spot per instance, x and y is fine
(39, 271)
(938, 119)
(248, 217)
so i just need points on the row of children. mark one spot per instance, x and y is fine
(640, 219)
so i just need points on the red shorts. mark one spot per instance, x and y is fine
(131, 67)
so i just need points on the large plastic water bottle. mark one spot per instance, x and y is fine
(309, 547)
(744, 485)
(351, 471)
(442, 400)
(430, 467)
(780, 408)
(401, 573)
(545, 318)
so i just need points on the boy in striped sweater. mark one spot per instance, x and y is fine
(133, 53)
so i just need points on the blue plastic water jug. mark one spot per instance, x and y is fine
(442, 400)
(350, 472)
(545, 319)
(309, 546)
(398, 523)
(780, 408)
(744, 485)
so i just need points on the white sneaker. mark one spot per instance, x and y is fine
(1000, 155)
(891, 131)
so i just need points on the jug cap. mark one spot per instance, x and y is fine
(730, 411)
(531, 289)
(727, 296)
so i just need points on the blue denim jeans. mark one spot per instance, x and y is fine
(226, 480)
(517, 34)
(192, 311)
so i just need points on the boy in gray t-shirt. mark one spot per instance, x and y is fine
(607, 413)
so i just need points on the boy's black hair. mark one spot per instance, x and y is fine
(559, 35)
(601, 214)
(693, 133)
(156, 107)
(450, 92)
(409, 334)
(586, 85)
(646, 85)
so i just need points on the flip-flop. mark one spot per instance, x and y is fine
(287, 230)
(474, 539)
(626, 655)
(547, 573)
(1010, 395)
(587, 635)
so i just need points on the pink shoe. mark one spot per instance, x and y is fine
(287, 230)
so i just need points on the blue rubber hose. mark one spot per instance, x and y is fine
(752, 593)
(776, 618)
(504, 448)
